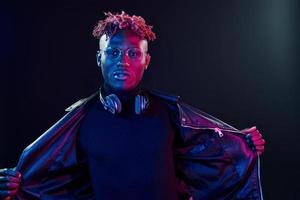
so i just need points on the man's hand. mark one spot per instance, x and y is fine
(9, 183)
(254, 139)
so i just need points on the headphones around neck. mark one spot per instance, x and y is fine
(113, 104)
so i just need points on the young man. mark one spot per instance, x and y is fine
(126, 142)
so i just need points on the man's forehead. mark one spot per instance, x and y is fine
(122, 38)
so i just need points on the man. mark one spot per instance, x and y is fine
(126, 142)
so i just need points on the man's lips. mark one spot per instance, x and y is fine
(121, 74)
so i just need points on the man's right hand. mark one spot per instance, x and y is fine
(9, 183)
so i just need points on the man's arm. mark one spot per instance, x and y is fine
(216, 160)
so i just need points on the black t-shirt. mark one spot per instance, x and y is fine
(130, 156)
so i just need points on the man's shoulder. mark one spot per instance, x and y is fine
(170, 98)
(82, 101)
(189, 115)
(192, 117)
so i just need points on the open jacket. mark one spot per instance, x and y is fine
(212, 159)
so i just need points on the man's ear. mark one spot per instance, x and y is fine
(147, 62)
(98, 58)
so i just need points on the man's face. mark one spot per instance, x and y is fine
(123, 59)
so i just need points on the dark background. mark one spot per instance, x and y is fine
(237, 60)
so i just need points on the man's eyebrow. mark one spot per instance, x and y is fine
(121, 47)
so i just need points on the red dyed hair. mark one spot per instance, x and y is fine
(115, 22)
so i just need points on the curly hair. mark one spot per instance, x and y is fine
(114, 22)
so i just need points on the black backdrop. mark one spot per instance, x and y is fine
(237, 60)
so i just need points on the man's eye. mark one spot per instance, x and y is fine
(134, 53)
(115, 53)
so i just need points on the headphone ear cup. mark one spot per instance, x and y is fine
(137, 105)
(141, 104)
(113, 104)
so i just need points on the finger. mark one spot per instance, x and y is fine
(258, 137)
(14, 179)
(260, 148)
(259, 142)
(253, 128)
(7, 195)
(3, 171)
(13, 192)
(8, 186)
(10, 172)
(253, 133)
(247, 130)
(9, 179)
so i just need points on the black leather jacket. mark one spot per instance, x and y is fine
(212, 159)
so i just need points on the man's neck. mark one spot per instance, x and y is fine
(124, 95)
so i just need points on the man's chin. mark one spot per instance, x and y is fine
(123, 88)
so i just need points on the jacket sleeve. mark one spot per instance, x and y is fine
(51, 167)
(212, 159)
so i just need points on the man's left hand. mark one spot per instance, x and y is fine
(254, 139)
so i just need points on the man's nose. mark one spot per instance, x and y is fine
(124, 61)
